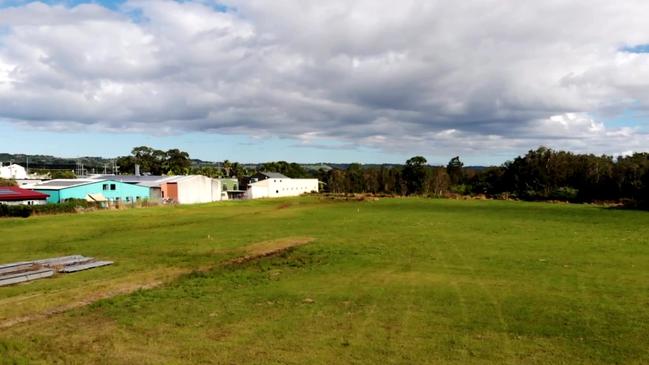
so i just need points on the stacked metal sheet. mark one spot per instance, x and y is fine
(19, 272)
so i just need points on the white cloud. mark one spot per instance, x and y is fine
(426, 76)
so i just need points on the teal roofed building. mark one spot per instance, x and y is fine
(61, 190)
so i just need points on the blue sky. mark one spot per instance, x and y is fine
(205, 146)
(345, 81)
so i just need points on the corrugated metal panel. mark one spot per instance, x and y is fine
(19, 272)
(91, 265)
(24, 277)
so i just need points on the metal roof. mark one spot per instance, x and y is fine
(129, 178)
(63, 183)
(274, 175)
(13, 193)
(148, 181)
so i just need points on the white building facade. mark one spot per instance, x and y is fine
(13, 172)
(195, 189)
(281, 187)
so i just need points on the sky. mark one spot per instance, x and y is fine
(335, 81)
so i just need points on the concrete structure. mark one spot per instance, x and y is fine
(277, 186)
(13, 172)
(12, 195)
(61, 190)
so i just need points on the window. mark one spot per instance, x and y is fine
(105, 187)
(113, 187)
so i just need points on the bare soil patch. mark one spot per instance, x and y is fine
(269, 248)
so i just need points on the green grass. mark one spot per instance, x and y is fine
(395, 281)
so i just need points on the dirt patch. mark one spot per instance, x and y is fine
(252, 252)
(269, 248)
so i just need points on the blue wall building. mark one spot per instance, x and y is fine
(61, 190)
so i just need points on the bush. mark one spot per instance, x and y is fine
(68, 206)
(22, 211)
(8, 182)
(565, 193)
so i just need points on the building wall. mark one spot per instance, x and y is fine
(122, 192)
(169, 191)
(13, 172)
(198, 189)
(276, 188)
(155, 194)
(53, 195)
(24, 202)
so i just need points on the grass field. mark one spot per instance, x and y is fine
(395, 281)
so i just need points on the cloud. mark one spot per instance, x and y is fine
(423, 77)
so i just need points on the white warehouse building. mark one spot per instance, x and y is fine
(275, 185)
(13, 171)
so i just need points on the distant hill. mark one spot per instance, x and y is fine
(56, 163)
(97, 164)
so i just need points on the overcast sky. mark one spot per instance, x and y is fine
(335, 80)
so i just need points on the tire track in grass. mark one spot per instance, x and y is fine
(253, 252)
(507, 341)
(464, 308)
(366, 329)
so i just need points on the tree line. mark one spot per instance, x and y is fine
(155, 162)
(176, 162)
(541, 174)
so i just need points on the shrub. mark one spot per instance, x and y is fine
(8, 182)
(23, 211)
(565, 193)
(68, 206)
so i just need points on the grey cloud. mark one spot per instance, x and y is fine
(437, 76)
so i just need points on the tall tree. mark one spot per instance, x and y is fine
(454, 170)
(177, 162)
(414, 174)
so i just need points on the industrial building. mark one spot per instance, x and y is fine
(12, 195)
(60, 190)
(275, 185)
(182, 189)
(13, 171)
(191, 189)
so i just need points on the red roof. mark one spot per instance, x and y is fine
(13, 193)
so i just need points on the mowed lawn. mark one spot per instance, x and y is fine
(396, 281)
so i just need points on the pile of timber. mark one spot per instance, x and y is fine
(20, 272)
